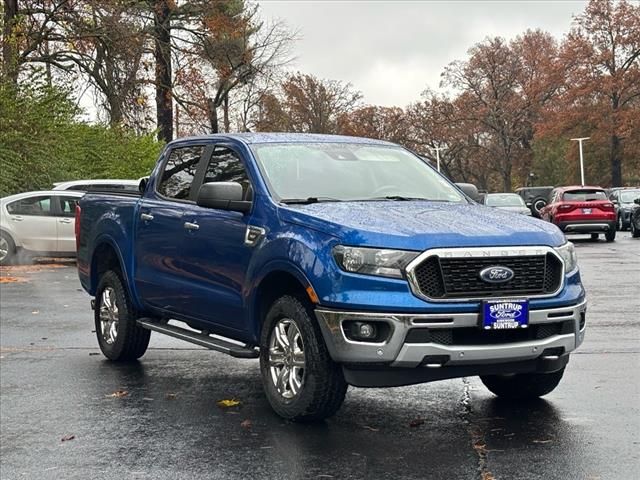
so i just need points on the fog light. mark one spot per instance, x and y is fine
(370, 331)
(366, 330)
(362, 331)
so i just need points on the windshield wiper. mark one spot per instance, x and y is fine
(400, 198)
(308, 200)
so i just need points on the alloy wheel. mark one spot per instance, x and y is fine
(109, 316)
(4, 248)
(286, 358)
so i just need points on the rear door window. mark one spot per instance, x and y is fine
(68, 206)
(584, 195)
(179, 171)
(33, 206)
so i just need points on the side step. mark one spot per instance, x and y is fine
(201, 339)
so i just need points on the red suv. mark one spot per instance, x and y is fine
(581, 210)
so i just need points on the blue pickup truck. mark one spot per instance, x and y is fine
(334, 260)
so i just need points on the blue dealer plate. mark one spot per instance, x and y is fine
(505, 314)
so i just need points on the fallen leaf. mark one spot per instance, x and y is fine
(371, 428)
(542, 441)
(245, 423)
(44, 338)
(147, 399)
(227, 403)
(119, 394)
(66, 438)
(35, 312)
(416, 422)
(171, 396)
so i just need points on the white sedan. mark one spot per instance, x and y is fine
(40, 223)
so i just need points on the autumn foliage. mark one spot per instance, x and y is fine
(510, 109)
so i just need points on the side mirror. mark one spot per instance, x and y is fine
(142, 186)
(470, 190)
(637, 201)
(223, 196)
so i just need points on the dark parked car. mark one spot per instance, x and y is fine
(635, 219)
(623, 199)
(536, 198)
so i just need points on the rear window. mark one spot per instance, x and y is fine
(584, 195)
(629, 196)
(506, 200)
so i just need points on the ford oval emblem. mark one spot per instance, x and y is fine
(496, 274)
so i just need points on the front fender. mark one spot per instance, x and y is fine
(300, 253)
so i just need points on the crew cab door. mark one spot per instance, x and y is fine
(159, 231)
(214, 256)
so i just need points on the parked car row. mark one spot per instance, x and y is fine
(43, 222)
(575, 209)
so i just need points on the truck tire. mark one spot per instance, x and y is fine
(7, 248)
(119, 336)
(522, 385)
(610, 235)
(301, 381)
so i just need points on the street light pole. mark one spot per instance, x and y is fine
(580, 140)
(437, 149)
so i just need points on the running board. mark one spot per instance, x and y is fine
(207, 341)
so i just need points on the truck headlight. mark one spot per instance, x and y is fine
(373, 261)
(568, 254)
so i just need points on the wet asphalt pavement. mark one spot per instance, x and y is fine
(55, 385)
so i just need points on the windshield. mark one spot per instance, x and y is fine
(344, 171)
(629, 196)
(504, 200)
(584, 195)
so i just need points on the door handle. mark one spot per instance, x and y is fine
(191, 226)
(146, 217)
(65, 220)
(16, 219)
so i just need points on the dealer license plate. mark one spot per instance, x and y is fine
(586, 211)
(505, 314)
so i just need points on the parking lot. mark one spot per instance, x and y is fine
(67, 413)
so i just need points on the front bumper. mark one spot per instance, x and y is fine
(395, 352)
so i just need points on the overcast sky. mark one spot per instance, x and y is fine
(393, 50)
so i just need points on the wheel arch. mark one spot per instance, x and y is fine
(107, 256)
(279, 279)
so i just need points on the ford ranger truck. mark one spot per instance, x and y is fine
(333, 260)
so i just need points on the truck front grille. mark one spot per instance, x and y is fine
(438, 277)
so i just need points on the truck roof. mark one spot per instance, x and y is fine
(279, 137)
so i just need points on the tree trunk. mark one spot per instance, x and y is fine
(212, 111)
(164, 81)
(506, 178)
(115, 111)
(9, 53)
(616, 162)
(225, 111)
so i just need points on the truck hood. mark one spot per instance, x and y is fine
(419, 225)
